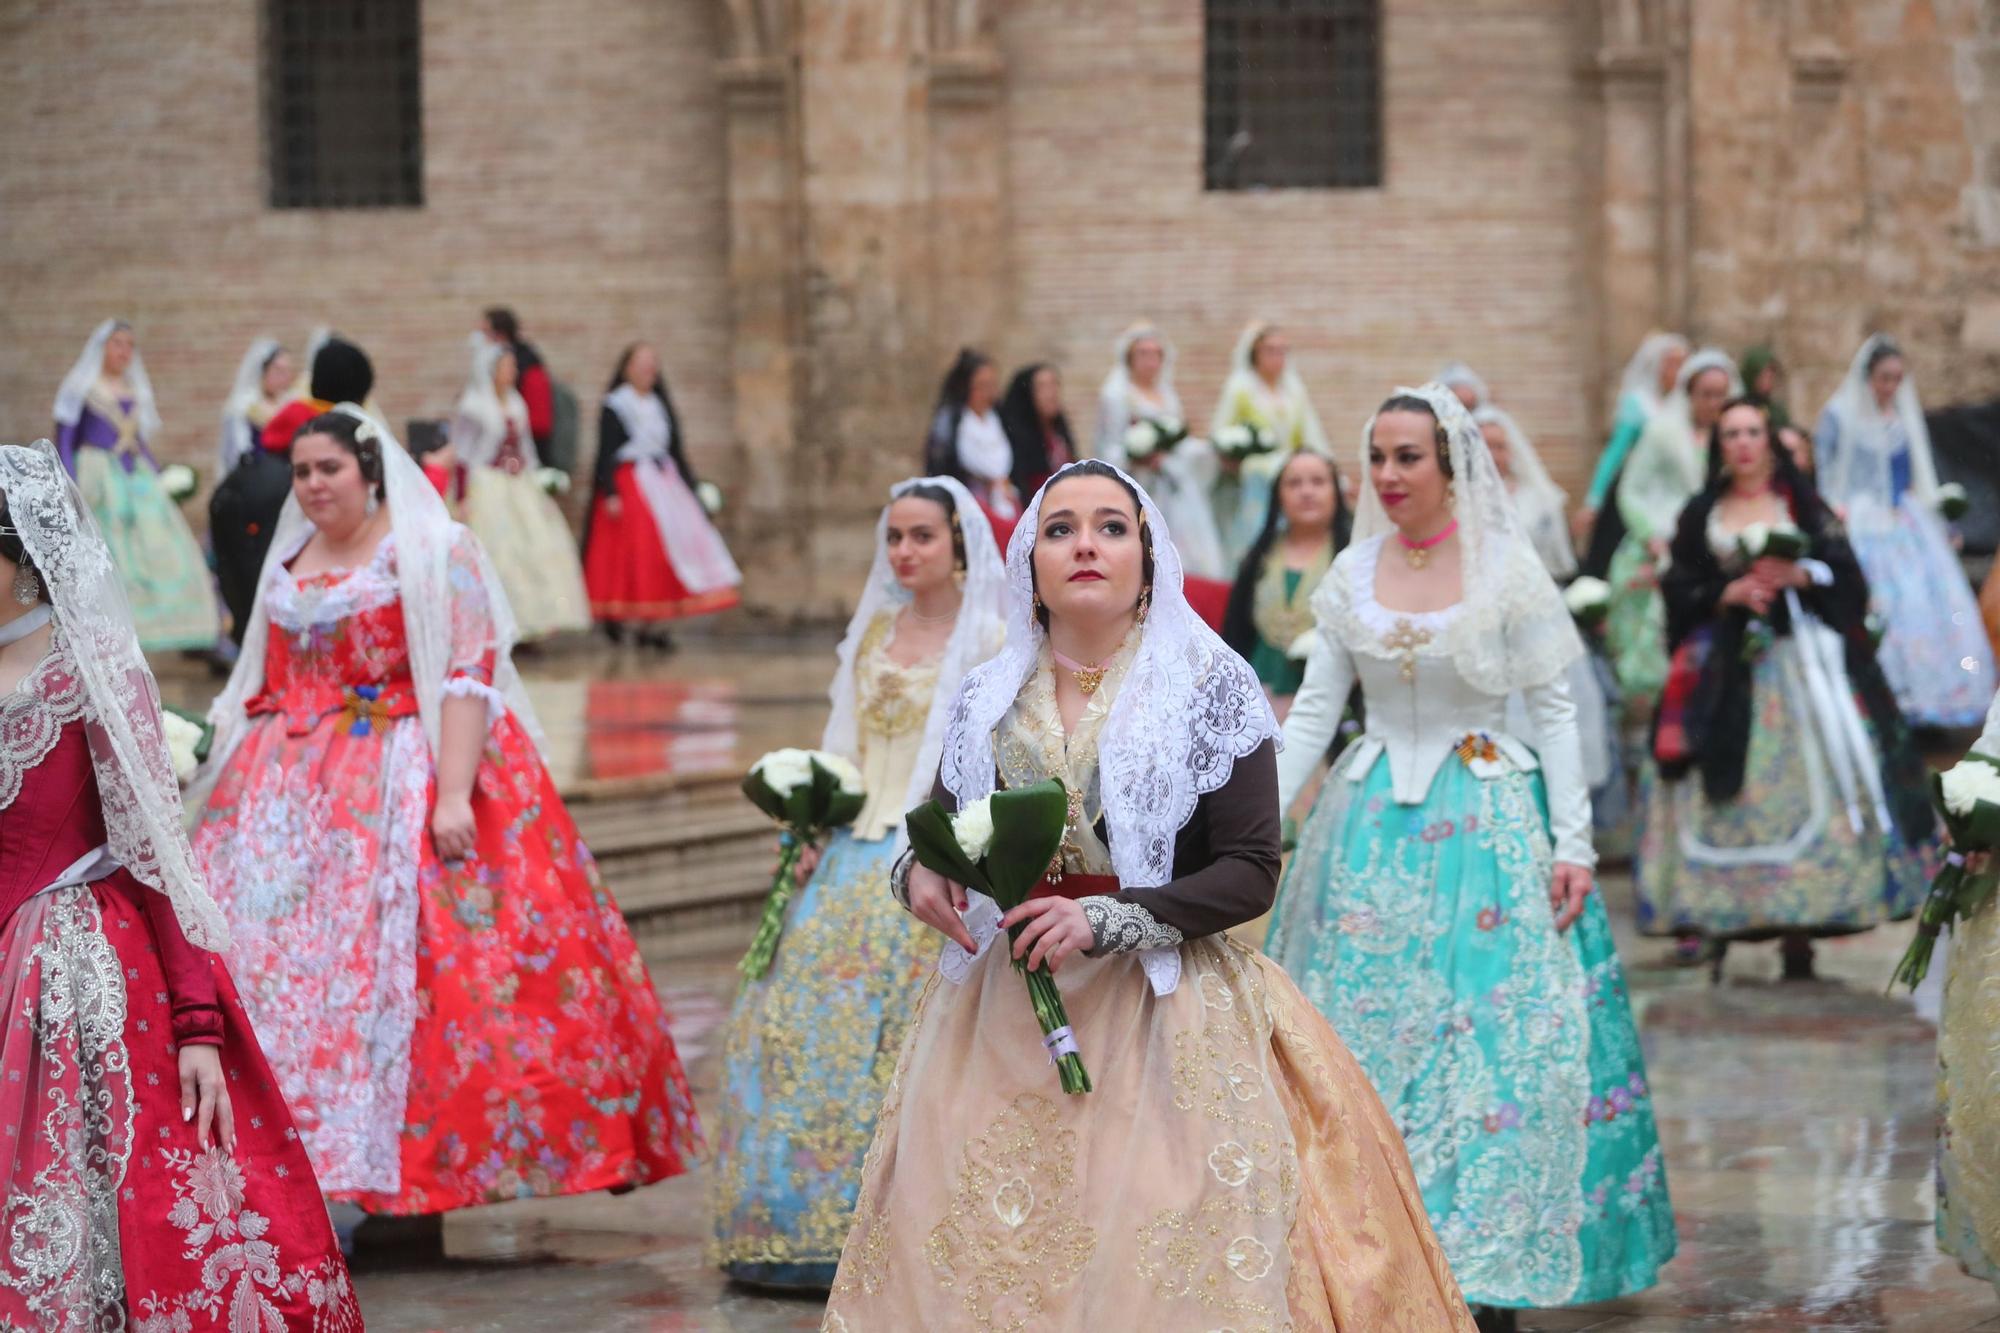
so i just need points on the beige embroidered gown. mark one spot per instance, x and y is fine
(1231, 1169)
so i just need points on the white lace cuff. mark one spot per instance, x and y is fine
(465, 687)
(1121, 927)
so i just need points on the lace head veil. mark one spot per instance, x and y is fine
(973, 638)
(1860, 468)
(1456, 374)
(1535, 492)
(76, 385)
(244, 392)
(128, 746)
(428, 544)
(1512, 631)
(487, 412)
(1117, 386)
(1640, 382)
(1188, 710)
(1243, 374)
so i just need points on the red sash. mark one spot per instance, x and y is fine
(1076, 886)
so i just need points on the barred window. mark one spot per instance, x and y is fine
(343, 103)
(1293, 94)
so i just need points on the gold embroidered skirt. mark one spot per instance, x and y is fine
(1232, 1167)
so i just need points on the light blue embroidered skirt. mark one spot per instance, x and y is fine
(807, 1056)
(1934, 649)
(1505, 1051)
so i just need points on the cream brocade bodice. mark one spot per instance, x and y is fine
(892, 707)
(1030, 746)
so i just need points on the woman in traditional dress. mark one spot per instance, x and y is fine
(968, 442)
(263, 383)
(447, 991)
(1439, 909)
(1968, 1150)
(142, 1188)
(811, 1045)
(1790, 802)
(651, 554)
(1872, 452)
(1538, 501)
(1649, 377)
(1140, 388)
(1662, 475)
(519, 523)
(1270, 606)
(1764, 384)
(105, 421)
(1230, 1165)
(1036, 425)
(1265, 392)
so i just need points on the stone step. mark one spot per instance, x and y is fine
(688, 859)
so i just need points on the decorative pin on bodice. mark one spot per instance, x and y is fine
(1405, 639)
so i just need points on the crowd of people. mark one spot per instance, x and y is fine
(383, 974)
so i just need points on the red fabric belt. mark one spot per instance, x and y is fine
(1076, 886)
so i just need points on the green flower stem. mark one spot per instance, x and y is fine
(764, 945)
(1049, 1012)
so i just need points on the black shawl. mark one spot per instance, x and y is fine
(611, 437)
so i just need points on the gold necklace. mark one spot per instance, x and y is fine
(1087, 678)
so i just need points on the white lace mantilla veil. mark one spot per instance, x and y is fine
(82, 377)
(1640, 381)
(244, 391)
(981, 624)
(1452, 374)
(1188, 710)
(1117, 385)
(1535, 491)
(481, 406)
(143, 816)
(1860, 467)
(1513, 631)
(1243, 374)
(425, 535)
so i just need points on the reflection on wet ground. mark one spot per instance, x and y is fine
(1798, 1117)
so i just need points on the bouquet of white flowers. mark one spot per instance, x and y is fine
(179, 481)
(1002, 845)
(1780, 541)
(1952, 502)
(1147, 438)
(710, 496)
(188, 741)
(808, 792)
(1243, 440)
(1588, 600)
(1967, 797)
(552, 480)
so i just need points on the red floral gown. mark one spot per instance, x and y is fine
(111, 1213)
(447, 1035)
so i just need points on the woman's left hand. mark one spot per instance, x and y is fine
(453, 828)
(1780, 573)
(1055, 930)
(205, 1097)
(1569, 887)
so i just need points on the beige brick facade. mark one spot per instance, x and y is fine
(810, 203)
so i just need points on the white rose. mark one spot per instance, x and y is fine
(182, 737)
(973, 827)
(1301, 647)
(784, 771)
(553, 480)
(846, 774)
(710, 496)
(1586, 594)
(1141, 439)
(1233, 438)
(1754, 539)
(1169, 426)
(1969, 782)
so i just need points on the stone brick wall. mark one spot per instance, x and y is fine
(573, 170)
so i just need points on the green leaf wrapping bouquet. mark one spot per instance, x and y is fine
(1002, 845)
(1967, 797)
(809, 793)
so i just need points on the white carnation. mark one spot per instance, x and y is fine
(710, 496)
(1170, 426)
(1586, 594)
(553, 480)
(1141, 439)
(784, 771)
(1969, 782)
(846, 774)
(1233, 438)
(1755, 539)
(973, 827)
(182, 737)
(1950, 491)
(1301, 647)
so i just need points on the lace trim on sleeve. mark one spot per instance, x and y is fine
(469, 687)
(1122, 927)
